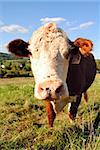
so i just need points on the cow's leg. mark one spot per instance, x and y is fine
(73, 107)
(50, 112)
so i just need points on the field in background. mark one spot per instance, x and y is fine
(23, 120)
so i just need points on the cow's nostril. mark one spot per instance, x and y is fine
(47, 89)
(41, 89)
(58, 90)
(48, 76)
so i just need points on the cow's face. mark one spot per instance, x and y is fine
(48, 46)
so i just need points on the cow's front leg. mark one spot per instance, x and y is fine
(50, 112)
(73, 107)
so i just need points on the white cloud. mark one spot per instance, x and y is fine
(67, 23)
(14, 28)
(86, 25)
(83, 25)
(74, 28)
(57, 20)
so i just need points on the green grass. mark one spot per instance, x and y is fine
(24, 125)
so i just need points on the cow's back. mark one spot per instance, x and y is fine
(80, 76)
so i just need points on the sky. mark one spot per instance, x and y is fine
(78, 18)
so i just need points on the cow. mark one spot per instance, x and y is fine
(63, 69)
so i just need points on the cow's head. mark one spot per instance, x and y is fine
(49, 50)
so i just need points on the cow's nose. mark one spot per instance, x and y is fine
(47, 91)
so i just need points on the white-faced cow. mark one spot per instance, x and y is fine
(62, 69)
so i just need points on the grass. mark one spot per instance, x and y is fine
(24, 125)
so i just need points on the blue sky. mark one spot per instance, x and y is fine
(78, 18)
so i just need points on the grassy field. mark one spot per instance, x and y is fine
(24, 125)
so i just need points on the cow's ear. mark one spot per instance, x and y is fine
(85, 46)
(19, 48)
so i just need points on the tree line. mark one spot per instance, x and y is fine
(15, 68)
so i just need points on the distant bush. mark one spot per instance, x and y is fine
(15, 68)
(98, 65)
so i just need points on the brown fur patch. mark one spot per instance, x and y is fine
(50, 112)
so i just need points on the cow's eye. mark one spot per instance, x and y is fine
(41, 39)
(37, 50)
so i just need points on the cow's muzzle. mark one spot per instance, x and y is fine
(51, 90)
